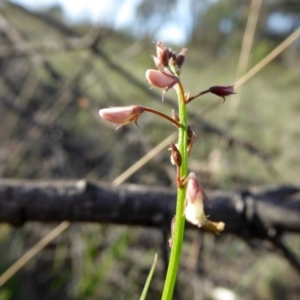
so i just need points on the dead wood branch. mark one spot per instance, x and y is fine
(265, 213)
(249, 213)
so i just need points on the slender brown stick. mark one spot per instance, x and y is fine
(153, 111)
(288, 41)
(38, 247)
(196, 96)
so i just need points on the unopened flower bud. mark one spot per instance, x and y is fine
(169, 51)
(222, 91)
(181, 57)
(194, 198)
(122, 115)
(162, 54)
(172, 59)
(175, 156)
(173, 55)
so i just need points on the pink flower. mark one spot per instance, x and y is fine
(222, 91)
(121, 115)
(194, 199)
(194, 206)
(161, 80)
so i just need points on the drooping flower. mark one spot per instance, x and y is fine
(194, 201)
(122, 114)
(194, 206)
(161, 80)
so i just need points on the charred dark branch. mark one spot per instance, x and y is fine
(251, 213)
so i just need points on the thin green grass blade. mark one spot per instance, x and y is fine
(149, 278)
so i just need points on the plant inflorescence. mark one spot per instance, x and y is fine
(190, 194)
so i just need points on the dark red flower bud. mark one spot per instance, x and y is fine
(169, 51)
(173, 57)
(181, 57)
(222, 91)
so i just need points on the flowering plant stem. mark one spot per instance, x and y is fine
(177, 238)
(190, 194)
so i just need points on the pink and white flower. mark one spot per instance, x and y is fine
(121, 114)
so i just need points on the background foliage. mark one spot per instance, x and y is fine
(50, 95)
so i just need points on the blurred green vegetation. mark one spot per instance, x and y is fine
(93, 261)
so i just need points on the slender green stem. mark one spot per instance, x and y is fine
(180, 220)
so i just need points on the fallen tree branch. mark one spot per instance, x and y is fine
(264, 213)
(249, 213)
